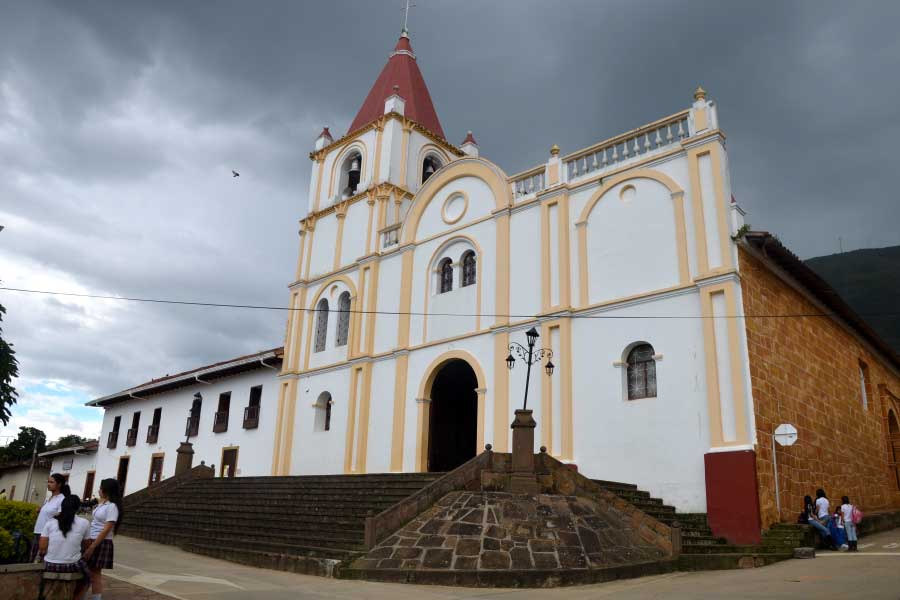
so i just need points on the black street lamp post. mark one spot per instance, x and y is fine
(530, 356)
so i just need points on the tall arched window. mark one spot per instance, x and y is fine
(343, 319)
(641, 372)
(321, 324)
(351, 169)
(323, 412)
(431, 164)
(445, 269)
(468, 268)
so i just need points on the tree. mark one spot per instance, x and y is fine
(9, 369)
(67, 441)
(22, 447)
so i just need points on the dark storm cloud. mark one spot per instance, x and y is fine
(120, 123)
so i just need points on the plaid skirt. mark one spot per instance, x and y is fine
(102, 558)
(77, 567)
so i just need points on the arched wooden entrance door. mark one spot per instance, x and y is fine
(453, 419)
(894, 443)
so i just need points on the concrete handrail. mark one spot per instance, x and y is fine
(394, 517)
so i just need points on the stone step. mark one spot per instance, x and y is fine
(633, 495)
(691, 548)
(238, 538)
(262, 527)
(615, 485)
(318, 480)
(300, 490)
(262, 512)
(308, 564)
(334, 503)
(231, 515)
(702, 540)
(712, 562)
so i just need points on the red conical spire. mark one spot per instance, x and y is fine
(402, 71)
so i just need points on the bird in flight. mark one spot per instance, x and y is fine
(235, 173)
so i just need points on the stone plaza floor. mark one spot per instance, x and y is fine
(873, 573)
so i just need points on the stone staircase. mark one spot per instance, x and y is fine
(303, 524)
(701, 550)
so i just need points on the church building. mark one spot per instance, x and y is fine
(421, 262)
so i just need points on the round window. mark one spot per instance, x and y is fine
(454, 208)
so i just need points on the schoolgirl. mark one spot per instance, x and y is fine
(59, 489)
(105, 522)
(61, 543)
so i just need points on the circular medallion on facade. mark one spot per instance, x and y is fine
(627, 194)
(454, 208)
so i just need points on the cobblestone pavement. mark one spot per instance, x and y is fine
(114, 589)
(873, 574)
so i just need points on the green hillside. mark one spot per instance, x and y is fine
(869, 281)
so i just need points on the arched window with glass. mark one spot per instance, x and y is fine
(641, 372)
(445, 272)
(343, 327)
(469, 268)
(321, 324)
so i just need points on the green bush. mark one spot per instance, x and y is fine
(6, 545)
(18, 515)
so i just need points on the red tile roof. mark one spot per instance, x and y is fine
(402, 71)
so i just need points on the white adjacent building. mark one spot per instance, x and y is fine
(78, 464)
(144, 425)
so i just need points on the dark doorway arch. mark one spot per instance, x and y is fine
(453, 419)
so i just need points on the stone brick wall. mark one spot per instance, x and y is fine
(20, 581)
(805, 371)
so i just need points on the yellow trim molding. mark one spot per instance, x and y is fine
(424, 401)
(357, 145)
(401, 368)
(502, 418)
(466, 167)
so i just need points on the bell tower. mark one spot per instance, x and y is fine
(395, 138)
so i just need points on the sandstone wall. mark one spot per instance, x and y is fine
(805, 371)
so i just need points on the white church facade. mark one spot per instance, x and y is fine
(421, 262)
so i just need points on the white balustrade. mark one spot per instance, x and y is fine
(390, 235)
(528, 183)
(628, 146)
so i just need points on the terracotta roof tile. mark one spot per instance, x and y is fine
(402, 71)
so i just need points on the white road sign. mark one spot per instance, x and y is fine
(786, 434)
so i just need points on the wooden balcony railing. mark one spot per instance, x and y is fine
(152, 434)
(220, 422)
(131, 437)
(113, 439)
(251, 417)
(193, 426)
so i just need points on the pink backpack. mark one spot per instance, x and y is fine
(856, 515)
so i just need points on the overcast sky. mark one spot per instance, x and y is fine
(120, 123)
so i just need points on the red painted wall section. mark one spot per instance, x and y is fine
(732, 499)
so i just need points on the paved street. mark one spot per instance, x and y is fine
(873, 573)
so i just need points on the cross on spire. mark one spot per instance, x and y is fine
(405, 9)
